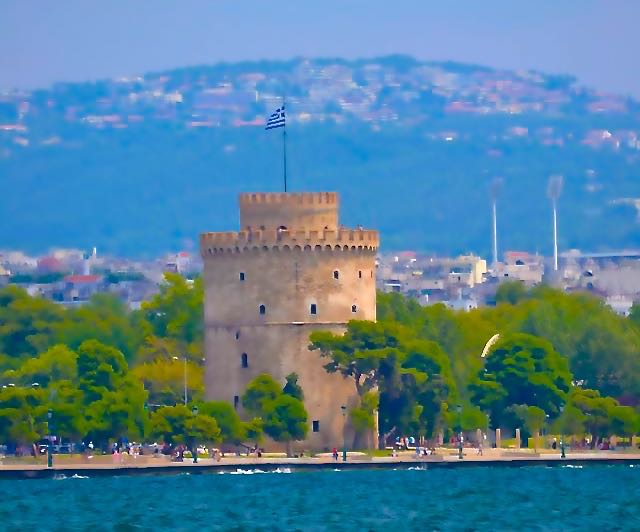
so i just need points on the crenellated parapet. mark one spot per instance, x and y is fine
(274, 239)
(288, 198)
(292, 211)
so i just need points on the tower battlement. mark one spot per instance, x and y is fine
(237, 241)
(289, 198)
(294, 211)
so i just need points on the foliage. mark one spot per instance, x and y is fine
(97, 366)
(285, 419)
(178, 424)
(511, 292)
(259, 393)
(176, 311)
(412, 375)
(164, 381)
(104, 318)
(27, 324)
(522, 369)
(281, 415)
(232, 428)
(292, 387)
(22, 415)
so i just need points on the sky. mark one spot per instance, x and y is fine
(42, 41)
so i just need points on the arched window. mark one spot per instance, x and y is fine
(359, 274)
(354, 308)
(313, 308)
(242, 276)
(263, 310)
(237, 335)
(245, 360)
(336, 274)
(236, 401)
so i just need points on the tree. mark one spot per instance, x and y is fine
(105, 319)
(113, 399)
(22, 415)
(285, 420)
(511, 292)
(521, 370)
(179, 425)
(292, 387)
(259, 393)
(357, 353)
(164, 381)
(54, 364)
(602, 416)
(27, 324)
(363, 416)
(176, 311)
(100, 368)
(232, 429)
(529, 418)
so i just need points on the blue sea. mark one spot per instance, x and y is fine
(476, 498)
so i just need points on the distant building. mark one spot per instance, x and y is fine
(521, 266)
(80, 288)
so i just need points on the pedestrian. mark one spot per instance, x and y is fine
(335, 454)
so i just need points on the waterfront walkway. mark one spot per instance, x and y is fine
(104, 466)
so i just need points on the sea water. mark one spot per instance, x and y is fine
(477, 498)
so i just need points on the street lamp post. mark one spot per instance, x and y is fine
(562, 453)
(49, 443)
(194, 448)
(344, 432)
(185, 378)
(459, 408)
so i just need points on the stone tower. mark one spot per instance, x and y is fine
(289, 271)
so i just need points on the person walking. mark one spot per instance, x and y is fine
(335, 454)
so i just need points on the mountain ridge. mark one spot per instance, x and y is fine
(141, 166)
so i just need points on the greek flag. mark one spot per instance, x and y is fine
(276, 119)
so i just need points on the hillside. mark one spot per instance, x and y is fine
(139, 166)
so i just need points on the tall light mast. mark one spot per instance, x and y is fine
(554, 189)
(494, 190)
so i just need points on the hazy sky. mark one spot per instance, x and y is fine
(67, 40)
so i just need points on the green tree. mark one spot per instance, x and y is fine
(113, 399)
(27, 324)
(259, 393)
(521, 370)
(511, 292)
(232, 429)
(602, 416)
(176, 311)
(357, 353)
(285, 420)
(54, 364)
(292, 387)
(105, 319)
(179, 425)
(164, 381)
(22, 415)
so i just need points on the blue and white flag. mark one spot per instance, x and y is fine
(276, 119)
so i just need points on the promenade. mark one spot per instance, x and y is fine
(144, 465)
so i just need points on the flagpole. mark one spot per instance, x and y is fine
(284, 146)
